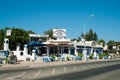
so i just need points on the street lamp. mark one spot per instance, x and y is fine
(85, 51)
(86, 23)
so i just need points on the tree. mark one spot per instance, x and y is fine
(82, 35)
(79, 39)
(90, 36)
(87, 37)
(1, 38)
(50, 33)
(74, 39)
(30, 32)
(110, 44)
(101, 41)
(18, 36)
(95, 37)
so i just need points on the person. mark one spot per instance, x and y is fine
(13, 58)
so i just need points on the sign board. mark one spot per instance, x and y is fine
(8, 33)
(59, 33)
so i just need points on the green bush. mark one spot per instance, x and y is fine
(91, 56)
(80, 54)
(100, 56)
(7, 60)
(68, 58)
(52, 55)
(105, 54)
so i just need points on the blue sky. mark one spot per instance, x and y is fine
(41, 15)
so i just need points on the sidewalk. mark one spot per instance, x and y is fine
(26, 64)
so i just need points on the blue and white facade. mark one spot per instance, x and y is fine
(60, 46)
(90, 46)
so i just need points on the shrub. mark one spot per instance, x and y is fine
(105, 54)
(91, 56)
(80, 54)
(100, 56)
(53, 56)
(68, 58)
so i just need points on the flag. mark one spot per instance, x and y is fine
(8, 33)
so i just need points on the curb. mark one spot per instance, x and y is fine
(14, 68)
(43, 64)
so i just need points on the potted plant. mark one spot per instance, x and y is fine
(100, 56)
(91, 56)
(68, 58)
(80, 55)
(52, 57)
(105, 55)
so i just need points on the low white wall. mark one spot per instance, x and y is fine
(20, 55)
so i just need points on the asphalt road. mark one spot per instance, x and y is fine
(82, 71)
(104, 73)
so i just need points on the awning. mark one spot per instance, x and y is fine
(35, 43)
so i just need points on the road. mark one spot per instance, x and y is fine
(84, 71)
(103, 73)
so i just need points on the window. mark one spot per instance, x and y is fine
(21, 53)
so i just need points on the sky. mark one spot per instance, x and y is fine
(72, 15)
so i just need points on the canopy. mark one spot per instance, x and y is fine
(34, 43)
